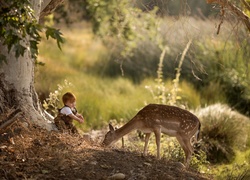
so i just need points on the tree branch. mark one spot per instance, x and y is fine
(49, 6)
(246, 4)
(237, 11)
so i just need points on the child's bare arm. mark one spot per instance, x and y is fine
(79, 115)
(79, 119)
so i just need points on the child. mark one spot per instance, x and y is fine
(66, 115)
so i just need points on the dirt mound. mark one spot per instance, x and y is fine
(34, 153)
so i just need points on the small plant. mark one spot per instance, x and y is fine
(199, 162)
(160, 92)
(53, 103)
(173, 98)
(173, 150)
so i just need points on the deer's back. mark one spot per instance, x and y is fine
(168, 116)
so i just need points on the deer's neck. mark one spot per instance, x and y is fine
(127, 128)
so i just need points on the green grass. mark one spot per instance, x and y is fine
(104, 95)
(99, 98)
(238, 169)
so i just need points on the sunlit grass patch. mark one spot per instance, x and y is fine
(110, 99)
(81, 49)
(189, 95)
(100, 100)
(238, 169)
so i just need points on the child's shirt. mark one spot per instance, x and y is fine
(66, 110)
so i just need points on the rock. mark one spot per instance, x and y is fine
(25, 124)
(180, 165)
(93, 163)
(147, 164)
(117, 176)
(141, 177)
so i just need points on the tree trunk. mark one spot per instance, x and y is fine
(17, 88)
(17, 81)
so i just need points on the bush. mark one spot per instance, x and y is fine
(223, 132)
(236, 86)
(226, 77)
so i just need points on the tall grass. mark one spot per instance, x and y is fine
(99, 98)
(107, 99)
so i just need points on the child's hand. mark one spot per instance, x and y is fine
(80, 116)
(81, 120)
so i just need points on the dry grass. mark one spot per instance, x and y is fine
(34, 153)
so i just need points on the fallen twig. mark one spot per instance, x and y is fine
(9, 120)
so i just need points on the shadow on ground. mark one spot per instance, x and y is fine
(34, 153)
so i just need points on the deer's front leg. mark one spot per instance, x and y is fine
(146, 143)
(158, 141)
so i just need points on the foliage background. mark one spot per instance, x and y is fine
(114, 64)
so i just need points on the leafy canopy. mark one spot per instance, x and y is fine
(18, 23)
(126, 24)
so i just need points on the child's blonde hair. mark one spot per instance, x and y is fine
(68, 97)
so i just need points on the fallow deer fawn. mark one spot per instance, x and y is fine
(157, 118)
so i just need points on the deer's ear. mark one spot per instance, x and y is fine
(111, 128)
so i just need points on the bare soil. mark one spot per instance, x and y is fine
(34, 153)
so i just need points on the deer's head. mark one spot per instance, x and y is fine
(109, 137)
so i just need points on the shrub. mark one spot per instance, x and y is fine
(223, 131)
(226, 67)
(235, 83)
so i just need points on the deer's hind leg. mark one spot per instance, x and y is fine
(187, 147)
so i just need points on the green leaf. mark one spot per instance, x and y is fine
(55, 34)
(17, 22)
(59, 38)
(19, 50)
(49, 32)
(40, 63)
(33, 48)
(3, 59)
